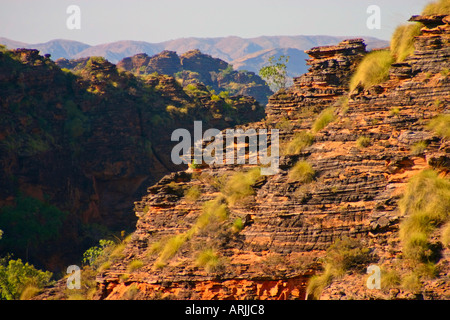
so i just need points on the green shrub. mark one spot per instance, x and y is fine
(91, 255)
(419, 148)
(402, 41)
(437, 7)
(238, 225)
(16, 278)
(302, 172)
(363, 142)
(299, 142)
(445, 72)
(440, 125)
(411, 282)
(347, 254)
(324, 118)
(373, 69)
(171, 247)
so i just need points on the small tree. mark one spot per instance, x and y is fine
(275, 73)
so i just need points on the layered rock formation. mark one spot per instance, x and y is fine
(212, 233)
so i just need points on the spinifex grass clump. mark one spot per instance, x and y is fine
(239, 185)
(438, 7)
(323, 119)
(302, 172)
(440, 126)
(426, 205)
(299, 142)
(373, 69)
(402, 42)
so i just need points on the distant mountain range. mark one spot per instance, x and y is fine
(243, 53)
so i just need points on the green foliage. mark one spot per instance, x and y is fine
(299, 142)
(91, 255)
(440, 125)
(426, 205)
(302, 172)
(238, 225)
(29, 223)
(402, 42)
(363, 142)
(445, 72)
(240, 185)
(325, 117)
(77, 123)
(373, 69)
(275, 73)
(437, 7)
(16, 277)
(419, 148)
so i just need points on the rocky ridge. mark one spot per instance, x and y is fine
(287, 225)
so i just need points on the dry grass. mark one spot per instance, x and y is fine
(402, 41)
(302, 172)
(373, 69)
(324, 118)
(438, 7)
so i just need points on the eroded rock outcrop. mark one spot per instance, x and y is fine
(268, 243)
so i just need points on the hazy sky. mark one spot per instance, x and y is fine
(102, 21)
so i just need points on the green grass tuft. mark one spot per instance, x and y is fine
(402, 41)
(299, 142)
(325, 117)
(419, 148)
(373, 69)
(302, 172)
(440, 125)
(363, 142)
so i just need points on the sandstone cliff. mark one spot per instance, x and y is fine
(198, 236)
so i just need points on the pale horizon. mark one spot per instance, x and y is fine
(102, 22)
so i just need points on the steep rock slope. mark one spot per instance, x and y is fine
(212, 233)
